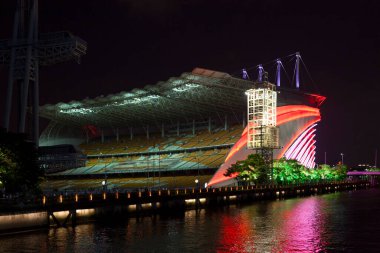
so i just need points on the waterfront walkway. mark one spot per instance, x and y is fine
(61, 210)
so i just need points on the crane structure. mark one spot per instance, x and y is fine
(24, 53)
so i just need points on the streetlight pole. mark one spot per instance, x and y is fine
(376, 158)
(342, 157)
(147, 162)
(105, 176)
(153, 169)
(198, 165)
(159, 171)
(198, 154)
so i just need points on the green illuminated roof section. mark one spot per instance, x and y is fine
(199, 94)
(194, 95)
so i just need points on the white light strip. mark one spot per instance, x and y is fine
(310, 150)
(296, 142)
(77, 110)
(304, 156)
(309, 165)
(302, 145)
(294, 149)
(313, 164)
(305, 148)
(309, 157)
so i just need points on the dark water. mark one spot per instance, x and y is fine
(340, 222)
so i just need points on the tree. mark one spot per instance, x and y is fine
(19, 171)
(253, 169)
(288, 171)
(291, 172)
(340, 171)
(7, 167)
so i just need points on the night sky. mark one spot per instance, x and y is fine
(138, 42)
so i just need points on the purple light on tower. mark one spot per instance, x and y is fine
(298, 56)
(245, 74)
(278, 72)
(261, 72)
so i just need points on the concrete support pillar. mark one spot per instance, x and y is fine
(197, 203)
(147, 132)
(225, 122)
(131, 133)
(102, 135)
(177, 128)
(36, 97)
(117, 135)
(244, 118)
(162, 130)
(8, 102)
(73, 218)
(193, 126)
(154, 205)
(209, 125)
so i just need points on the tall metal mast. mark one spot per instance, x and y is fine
(298, 56)
(245, 74)
(278, 72)
(24, 53)
(261, 72)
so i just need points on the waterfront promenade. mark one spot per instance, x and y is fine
(62, 210)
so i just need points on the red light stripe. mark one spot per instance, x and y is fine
(293, 116)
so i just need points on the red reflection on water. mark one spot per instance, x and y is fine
(236, 234)
(302, 228)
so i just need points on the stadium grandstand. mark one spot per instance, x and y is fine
(60, 158)
(169, 134)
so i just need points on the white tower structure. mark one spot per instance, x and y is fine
(262, 113)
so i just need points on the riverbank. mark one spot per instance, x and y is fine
(71, 210)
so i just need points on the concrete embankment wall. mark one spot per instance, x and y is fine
(20, 221)
(78, 209)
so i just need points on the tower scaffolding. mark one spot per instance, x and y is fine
(263, 134)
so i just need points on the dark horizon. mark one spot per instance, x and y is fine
(132, 44)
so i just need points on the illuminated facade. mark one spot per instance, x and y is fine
(297, 132)
(198, 101)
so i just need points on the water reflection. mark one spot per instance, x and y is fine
(236, 234)
(314, 224)
(303, 227)
(283, 226)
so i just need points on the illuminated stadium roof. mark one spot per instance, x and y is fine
(196, 95)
